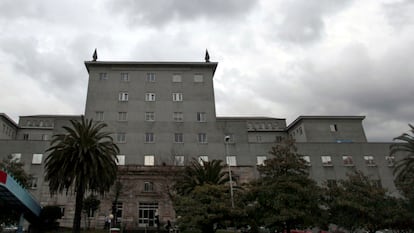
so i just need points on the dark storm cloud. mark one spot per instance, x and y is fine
(302, 21)
(160, 12)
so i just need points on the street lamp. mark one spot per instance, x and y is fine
(226, 143)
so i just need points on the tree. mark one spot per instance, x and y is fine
(285, 197)
(83, 158)
(15, 168)
(359, 203)
(404, 169)
(90, 205)
(197, 174)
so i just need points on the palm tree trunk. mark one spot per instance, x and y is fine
(78, 209)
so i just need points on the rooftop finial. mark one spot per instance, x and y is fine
(207, 57)
(95, 55)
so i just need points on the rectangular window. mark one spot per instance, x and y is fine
(231, 160)
(369, 160)
(347, 160)
(149, 160)
(198, 78)
(121, 160)
(179, 160)
(146, 214)
(150, 116)
(99, 116)
(16, 157)
(121, 137)
(123, 96)
(149, 96)
(103, 76)
(333, 127)
(390, 161)
(202, 159)
(178, 116)
(279, 139)
(117, 207)
(150, 77)
(148, 186)
(149, 137)
(306, 158)
(178, 138)
(177, 78)
(201, 117)
(258, 138)
(45, 137)
(177, 97)
(124, 77)
(26, 136)
(326, 160)
(33, 182)
(202, 138)
(37, 159)
(261, 159)
(122, 116)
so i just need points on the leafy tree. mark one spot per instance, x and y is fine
(285, 197)
(84, 158)
(404, 169)
(16, 169)
(90, 205)
(359, 203)
(197, 174)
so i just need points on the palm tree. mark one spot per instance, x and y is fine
(404, 168)
(83, 158)
(198, 174)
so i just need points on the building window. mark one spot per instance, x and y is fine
(369, 160)
(121, 160)
(178, 138)
(26, 136)
(201, 117)
(148, 186)
(149, 160)
(33, 182)
(348, 161)
(177, 78)
(149, 96)
(45, 137)
(279, 139)
(258, 138)
(178, 116)
(202, 138)
(103, 76)
(261, 159)
(150, 77)
(99, 116)
(123, 96)
(306, 158)
(231, 160)
(117, 206)
(16, 157)
(198, 78)
(202, 159)
(179, 160)
(121, 137)
(177, 97)
(149, 137)
(229, 138)
(37, 159)
(147, 212)
(150, 116)
(124, 77)
(326, 160)
(390, 161)
(333, 127)
(122, 116)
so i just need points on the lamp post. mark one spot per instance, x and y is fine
(226, 143)
(111, 216)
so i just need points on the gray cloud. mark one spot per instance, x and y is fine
(302, 21)
(161, 12)
(399, 13)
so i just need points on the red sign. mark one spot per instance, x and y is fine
(3, 177)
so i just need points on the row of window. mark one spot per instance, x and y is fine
(40, 123)
(123, 96)
(150, 116)
(179, 160)
(7, 130)
(150, 137)
(347, 160)
(36, 159)
(151, 77)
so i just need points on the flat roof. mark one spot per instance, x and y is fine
(212, 65)
(300, 118)
(247, 118)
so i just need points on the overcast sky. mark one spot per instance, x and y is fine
(276, 58)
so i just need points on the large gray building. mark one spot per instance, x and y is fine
(162, 115)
